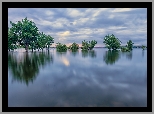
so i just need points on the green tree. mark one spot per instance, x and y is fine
(130, 45)
(88, 45)
(125, 49)
(41, 41)
(143, 47)
(12, 40)
(49, 41)
(74, 47)
(61, 47)
(33, 46)
(26, 32)
(112, 42)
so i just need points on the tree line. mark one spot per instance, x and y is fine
(25, 34)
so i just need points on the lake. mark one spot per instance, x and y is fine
(98, 78)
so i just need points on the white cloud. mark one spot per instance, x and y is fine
(83, 31)
(111, 16)
(116, 27)
(44, 22)
(49, 13)
(100, 30)
(122, 9)
(66, 33)
(98, 11)
(74, 13)
(57, 25)
(61, 39)
(63, 35)
(93, 12)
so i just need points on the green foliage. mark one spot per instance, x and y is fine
(26, 34)
(130, 45)
(74, 47)
(61, 47)
(112, 42)
(125, 49)
(49, 41)
(12, 39)
(143, 47)
(88, 45)
(41, 41)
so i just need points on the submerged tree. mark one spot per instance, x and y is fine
(125, 49)
(88, 45)
(12, 40)
(61, 47)
(26, 34)
(130, 45)
(41, 41)
(112, 42)
(49, 41)
(143, 47)
(74, 47)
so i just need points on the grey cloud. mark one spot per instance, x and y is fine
(130, 19)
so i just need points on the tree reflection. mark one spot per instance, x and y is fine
(92, 53)
(86, 53)
(60, 53)
(129, 55)
(111, 56)
(142, 53)
(25, 67)
(74, 53)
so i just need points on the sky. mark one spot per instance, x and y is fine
(68, 25)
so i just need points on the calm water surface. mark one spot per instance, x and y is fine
(98, 78)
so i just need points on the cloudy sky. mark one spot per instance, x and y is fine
(68, 25)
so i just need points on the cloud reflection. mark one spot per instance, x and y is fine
(65, 61)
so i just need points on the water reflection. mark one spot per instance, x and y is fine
(111, 56)
(142, 53)
(91, 53)
(25, 66)
(128, 55)
(75, 81)
(60, 53)
(74, 53)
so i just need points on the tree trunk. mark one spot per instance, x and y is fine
(26, 48)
